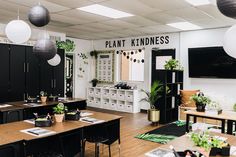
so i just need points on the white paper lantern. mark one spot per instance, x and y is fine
(55, 60)
(18, 31)
(229, 41)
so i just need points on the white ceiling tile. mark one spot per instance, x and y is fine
(71, 3)
(66, 19)
(119, 23)
(52, 7)
(139, 21)
(131, 6)
(164, 18)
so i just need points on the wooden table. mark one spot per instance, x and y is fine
(225, 116)
(184, 142)
(10, 133)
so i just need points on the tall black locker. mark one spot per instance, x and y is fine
(17, 72)
(32, 73)
(5, 76)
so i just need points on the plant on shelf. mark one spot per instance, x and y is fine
(68, 45)
(94, 53)
(201, 101)
(173, 64)
(59, 112)
(43, 96)
(234, 107)
(151, 98)
(94, 82)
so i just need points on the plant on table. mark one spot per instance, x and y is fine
(94, 82)
(43, 96)
(201, 101)
(59, 112)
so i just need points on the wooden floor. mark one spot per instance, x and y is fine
(131, 125)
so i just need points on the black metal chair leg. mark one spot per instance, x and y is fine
(109, 147)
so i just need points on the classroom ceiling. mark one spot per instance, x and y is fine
(151, 17)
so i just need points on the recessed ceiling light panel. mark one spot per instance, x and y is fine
(184, 26)
(105, 11)
(198, 2)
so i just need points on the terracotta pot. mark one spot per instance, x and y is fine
(43, 99)
(154, 115)
(59, 117)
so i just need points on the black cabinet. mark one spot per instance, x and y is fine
(12, 150)
(52, 77)
(32, 73)
(5, 75)
(24, 75)
(11, 116)
(169, 102)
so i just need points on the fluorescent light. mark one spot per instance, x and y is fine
(184, 25)
(198, 2)
(105, 11)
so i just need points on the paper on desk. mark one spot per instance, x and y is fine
(91, 120)
(160, 153)
(85, 114)
(38, 132)
(4, 105)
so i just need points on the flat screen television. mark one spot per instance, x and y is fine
(211, 62)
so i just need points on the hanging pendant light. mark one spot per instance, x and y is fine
(18, 31)
(55, 60)
(39, 16)
(229, 41)
(227, 7)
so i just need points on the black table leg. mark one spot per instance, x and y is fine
(229, 127)
(187, 123)
(223, 126)
(195, 119)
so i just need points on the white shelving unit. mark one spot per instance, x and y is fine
(113, 99)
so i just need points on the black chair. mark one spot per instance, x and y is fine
(113, 129)
(106, 133)
(97, 134)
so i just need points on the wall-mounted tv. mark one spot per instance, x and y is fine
(211, 62)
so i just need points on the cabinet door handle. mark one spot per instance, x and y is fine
(24, 67)
(27, 66)
(55, 83)
(52, 83)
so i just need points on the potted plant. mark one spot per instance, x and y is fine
(59, 112)
(173, 64)
(201, 101)
(43, 96)
(94, 53)
(151, 98)
(94, 82)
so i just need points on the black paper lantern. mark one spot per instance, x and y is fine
(39, 16)
(134, 60)
(45, 49)
(132, 52)
(117, 52)
(139, 50)
(142, 60)
(124, 54)
(227, 7)
(127, 57)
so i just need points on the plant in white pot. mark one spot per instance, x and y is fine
(59, 112)
(43, 96)
(151, 98)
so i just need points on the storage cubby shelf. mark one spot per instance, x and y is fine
(113, 99)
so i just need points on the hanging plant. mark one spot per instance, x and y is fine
(68, 45)
(94, 53)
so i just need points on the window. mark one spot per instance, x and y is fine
(132, 65)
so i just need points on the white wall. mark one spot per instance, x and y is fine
(81, 83)
(222, 90)
(146, 84)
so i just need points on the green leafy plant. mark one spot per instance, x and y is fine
(235, 107)
(155, 94)
(60, 108)
(206, 141)
(43, 94)
(68, 45)
(173, 64)
(199, 98)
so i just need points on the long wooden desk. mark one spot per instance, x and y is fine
(21, 110)
(184, 142)
(10, 133)
(226, 116)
